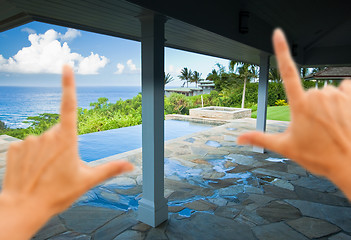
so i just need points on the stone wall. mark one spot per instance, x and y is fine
(220, 112)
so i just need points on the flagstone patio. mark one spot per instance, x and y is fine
(216, 190)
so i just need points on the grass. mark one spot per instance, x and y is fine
(280, 113)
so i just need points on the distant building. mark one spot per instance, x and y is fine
(330, 73)
(205, 87)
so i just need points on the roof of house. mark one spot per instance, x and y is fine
(208, 84)
(183, 89)
(331, 73)
(206, 81)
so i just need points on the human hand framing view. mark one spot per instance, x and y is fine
(45, 175)
(319, 135)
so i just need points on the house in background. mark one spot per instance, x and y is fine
(330, 73)
(205, 87)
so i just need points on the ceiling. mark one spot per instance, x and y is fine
(319, 31)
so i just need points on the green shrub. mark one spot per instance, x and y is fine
(178, 104)
(252, 106)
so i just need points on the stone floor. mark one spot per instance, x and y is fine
(215, 190)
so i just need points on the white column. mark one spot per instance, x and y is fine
(316, 84)
(153, 209)
(262, 97)
(325, 83)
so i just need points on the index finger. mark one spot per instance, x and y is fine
(287, 67)
(69, 102)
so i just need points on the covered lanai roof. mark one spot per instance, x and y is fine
(319, 32)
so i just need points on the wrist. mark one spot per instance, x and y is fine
(17, 213)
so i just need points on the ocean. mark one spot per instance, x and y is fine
(18, 103)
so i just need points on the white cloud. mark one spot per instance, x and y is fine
(28, 30)
(132, 68)
(91, 64)
(47, 54)
(69, 35)
(120, 68)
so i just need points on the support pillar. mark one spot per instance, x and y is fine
(153, 209)
(262, 97)
(316, 85)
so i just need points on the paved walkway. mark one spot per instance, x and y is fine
(216, 190)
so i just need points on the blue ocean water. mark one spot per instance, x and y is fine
(18, 103)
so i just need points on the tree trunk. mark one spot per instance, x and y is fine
(244, 90)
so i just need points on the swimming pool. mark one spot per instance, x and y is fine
(99, 145)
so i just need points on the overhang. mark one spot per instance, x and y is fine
(320, 34)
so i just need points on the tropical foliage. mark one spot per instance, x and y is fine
(185, 75)
(168, 78)
(245, 72)
(195, 77)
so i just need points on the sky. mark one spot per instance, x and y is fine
(33, 55)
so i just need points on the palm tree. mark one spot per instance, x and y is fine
(196, 77)
(168, 78)
(246, 71)
(212, 75)
(185, 75)
(232, 64)
(274, 75)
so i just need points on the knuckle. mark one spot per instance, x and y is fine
(30, 140)
(46, 137)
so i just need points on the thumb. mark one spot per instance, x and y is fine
(105, 171)
(272, 142)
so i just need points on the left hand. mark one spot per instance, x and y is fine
(45, 174)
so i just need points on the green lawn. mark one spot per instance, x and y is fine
(281, 113)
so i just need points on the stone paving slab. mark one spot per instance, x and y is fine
(93, 218)
(340, 236)
(320, 227)
(54, 227)
(215, 189)
(340, 216)
(277, 231)
(207, 226)
(277, 211)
